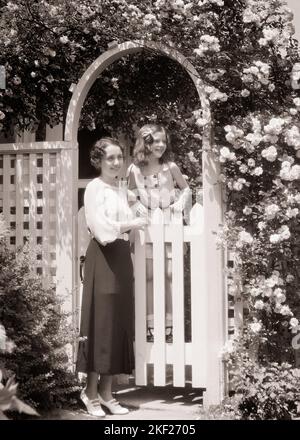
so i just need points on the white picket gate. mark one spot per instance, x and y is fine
(179, 353)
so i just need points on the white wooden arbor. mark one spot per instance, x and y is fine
(210, 257)
(39, 185)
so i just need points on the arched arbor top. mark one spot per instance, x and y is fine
(114, 53)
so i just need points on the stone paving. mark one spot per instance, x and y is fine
(146, 403)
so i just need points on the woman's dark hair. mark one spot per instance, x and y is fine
(98, 150)
(141, 151)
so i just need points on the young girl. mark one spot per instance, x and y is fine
(106, 342)
(155, 179)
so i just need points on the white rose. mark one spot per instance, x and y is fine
(259, 305)
(268, 292)
(292, 137)
(296, 101)
(238, 186)
(255, 291)
(269, 153)
(271, 87)
(192, 158)
(258, 171)
(50, 78)
(243, 168)
(245, 93)
(294, 322)
(284, 232)
(270, 138)
(292, 212)
(280, 298)
(271, 282)
(274, 127)
(245, 237)
(274, 238)
(271, 211)
(247, 210)
(285, 311)
(255, 327)
(254, 138)
(262, 42)
(293, 111)
(64, 39)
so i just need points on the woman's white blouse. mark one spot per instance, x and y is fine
(106, 208)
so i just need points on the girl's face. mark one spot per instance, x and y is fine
(159, 144)
(112, 162)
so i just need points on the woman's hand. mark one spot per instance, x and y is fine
(139, 223)
(177, 206)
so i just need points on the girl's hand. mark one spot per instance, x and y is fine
(140, 209)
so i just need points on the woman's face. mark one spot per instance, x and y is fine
(112, 162)
(159, 144)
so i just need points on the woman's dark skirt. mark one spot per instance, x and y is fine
(106, 331)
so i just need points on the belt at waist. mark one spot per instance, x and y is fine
(124, 236)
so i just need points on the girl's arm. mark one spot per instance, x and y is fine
(137, 207)
(185, 192)
(177, 176)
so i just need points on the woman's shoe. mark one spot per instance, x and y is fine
(113, 406)
(92, 405)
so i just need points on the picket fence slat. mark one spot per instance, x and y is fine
(140, 309)
(187, 354)
(19, 199)
(25, 137)
(6, 188)
(33, 216)
(157, 238)
(199, 311)
(178, 305)
(45, 187)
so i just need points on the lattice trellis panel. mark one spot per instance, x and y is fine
(28, 200)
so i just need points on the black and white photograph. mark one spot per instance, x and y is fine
(149, 213)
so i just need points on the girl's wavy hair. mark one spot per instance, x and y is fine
(141, 151)
(98, 150)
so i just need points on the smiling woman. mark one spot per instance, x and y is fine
(107, 158)
(106, 334)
